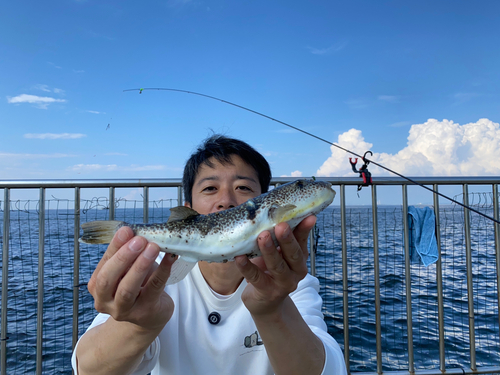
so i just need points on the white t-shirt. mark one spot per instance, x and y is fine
(190, 345)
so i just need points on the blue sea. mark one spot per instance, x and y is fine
(359, 290)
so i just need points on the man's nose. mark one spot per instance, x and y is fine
(227, 200)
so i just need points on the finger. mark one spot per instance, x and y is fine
(275, 264)
(121, 237)
(158, 279)
(292, 252)
(302, 232)
(252, 273)
(130, 285)
(116, 267)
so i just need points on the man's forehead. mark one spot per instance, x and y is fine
(208, 170)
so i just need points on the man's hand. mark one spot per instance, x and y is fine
(128, 285)
(272, 277)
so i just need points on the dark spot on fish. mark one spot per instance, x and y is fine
(224, 261)
(251, 210)
(186, 241)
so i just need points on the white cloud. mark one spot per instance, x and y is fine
(400, 124)
(178, 3)
(357, 103)
(434, 148)
(293, 174)
(462, 97)
(389, 98)
(114, 167)
(40, 101)
(55, 136)
(42, 88)
(326, 51)
(47, 89)
(33, 156)
(54, 65)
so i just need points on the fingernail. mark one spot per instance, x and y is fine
(243, 261)
(135, 245)
(122, 234)
(266, 239)
(151, 252)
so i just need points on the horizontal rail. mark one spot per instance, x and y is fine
(174, 182)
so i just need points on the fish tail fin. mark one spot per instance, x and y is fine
(99, 232)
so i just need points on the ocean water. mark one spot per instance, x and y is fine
(359, 291)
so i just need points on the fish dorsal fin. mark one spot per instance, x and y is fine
(278, 213)
(180, 269)
(181, 213)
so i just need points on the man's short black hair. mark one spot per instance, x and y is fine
(222, 148)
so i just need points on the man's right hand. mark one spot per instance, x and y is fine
(128, 285)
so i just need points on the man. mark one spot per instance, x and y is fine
(260, 316)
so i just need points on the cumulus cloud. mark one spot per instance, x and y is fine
(434, 148)
(94, 112)
(40, 101)
(293, 174)
(55, 136)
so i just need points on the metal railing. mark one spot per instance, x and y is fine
(346, 319)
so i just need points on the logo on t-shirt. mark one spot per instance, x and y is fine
(253, 340)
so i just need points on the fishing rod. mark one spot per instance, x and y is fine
(323, 140)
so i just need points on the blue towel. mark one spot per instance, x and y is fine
(423, 245)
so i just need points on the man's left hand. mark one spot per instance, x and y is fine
(276, 274)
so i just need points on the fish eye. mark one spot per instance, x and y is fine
(300, 183)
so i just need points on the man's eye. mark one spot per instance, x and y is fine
(244, 188)
(209, 188)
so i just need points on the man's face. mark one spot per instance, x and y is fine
(224, 186)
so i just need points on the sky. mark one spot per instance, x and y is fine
(415, 82)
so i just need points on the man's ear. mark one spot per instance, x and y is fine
(186, 204)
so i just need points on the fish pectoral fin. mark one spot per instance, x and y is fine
(277, 213)
(180, 269)
(181, 213)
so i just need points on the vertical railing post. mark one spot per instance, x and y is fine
(439, 284)
(179, 196)
(470, 288)
(76, 266)
(41, 260)
(145, 205)
(312, 253)
(496, 216)
(345, 281)
(409, 318)
(111, 203)
(376, 275)
(5, 279)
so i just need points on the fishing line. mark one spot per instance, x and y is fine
(322, 140)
